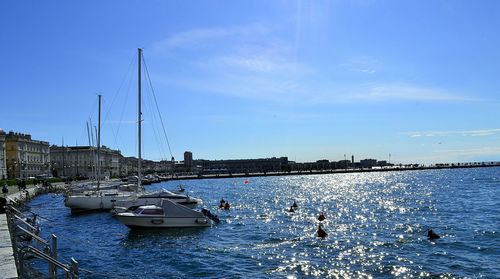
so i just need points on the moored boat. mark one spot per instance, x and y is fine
(154, 198)
(168, 214)
(95, 200)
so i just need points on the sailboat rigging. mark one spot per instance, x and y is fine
(122, 200)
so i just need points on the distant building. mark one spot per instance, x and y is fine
(167, 166)
(129, 165)
(3, 163)
(343, 164)
(188, 160)
(81, 161)
(383, 164)
(322, 165)
(26, 157)
(243, 165)
(368, 163)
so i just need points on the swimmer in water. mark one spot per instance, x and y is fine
(321, 232)
(321, 217)
(432, 235)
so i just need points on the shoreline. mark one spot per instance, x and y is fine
(313, 172)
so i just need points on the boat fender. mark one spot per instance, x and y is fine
(201, 221)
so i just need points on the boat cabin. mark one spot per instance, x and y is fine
(149, 210)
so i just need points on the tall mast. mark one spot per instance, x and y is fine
(94, 163)
(99, 145)
(76, 163)
(90, 146)
(139, 120)
(63, 163)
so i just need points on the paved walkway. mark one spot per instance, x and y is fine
(7, 263)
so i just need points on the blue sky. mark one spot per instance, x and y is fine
(248, 79)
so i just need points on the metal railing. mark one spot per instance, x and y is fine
(24, 236)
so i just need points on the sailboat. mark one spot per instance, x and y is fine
(95, 198)
(168, 212)
(153, 198)
(110, 199)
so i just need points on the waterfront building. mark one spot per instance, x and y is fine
(81, 161)
(368, 163)
(383, 164)
(167, 166)
(323, 165)
(150, 166)
(188, 160)
(3, 164)
(128, 166)
(262, 165)
(26, 157)
(343, 164)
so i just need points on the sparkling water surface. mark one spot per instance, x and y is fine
(376, 223)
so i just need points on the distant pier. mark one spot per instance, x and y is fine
(332, 171)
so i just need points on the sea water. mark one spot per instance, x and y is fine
(376, 223)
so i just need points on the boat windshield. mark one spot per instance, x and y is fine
(152, 211)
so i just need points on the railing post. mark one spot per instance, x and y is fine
(53, 254)
(51, 265)
(74, 268)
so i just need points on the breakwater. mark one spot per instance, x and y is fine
(329, 171)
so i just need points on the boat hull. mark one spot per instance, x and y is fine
(133, 221)
(84, 203)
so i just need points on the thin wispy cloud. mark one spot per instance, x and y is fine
(262, 63)
(362, 64)
(256, 61)
(203, 35)
(252, 62)
(470, 133)
(471, 152)
(409, 93)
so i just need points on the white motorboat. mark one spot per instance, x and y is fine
(168, 215)
(154, 198)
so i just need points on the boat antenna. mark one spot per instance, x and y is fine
(139, 117)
